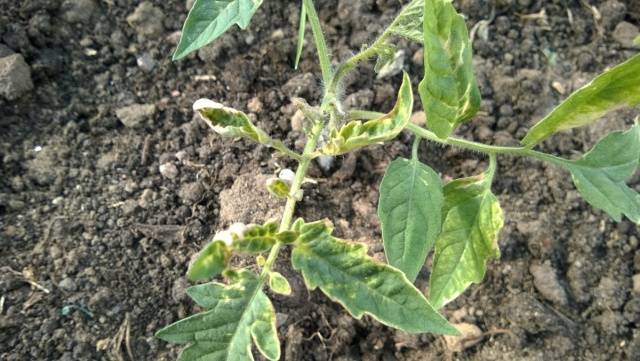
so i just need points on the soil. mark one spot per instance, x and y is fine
(98, 220)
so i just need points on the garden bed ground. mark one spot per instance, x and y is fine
(108, 184)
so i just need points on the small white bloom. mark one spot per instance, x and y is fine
(224, 236)
(238, 229)
(287, 175)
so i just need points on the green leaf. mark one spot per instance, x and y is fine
(636, 41)
(208, 19)
(356, 134)
(257, 238)
(472, 223)
(408, 23)
(301, 30)
(410, 210)
(210, 262)
(279, 284)
(229, 122)
(278, 187)
(449, 91)
(319, 41)
(345, 273)
(611, 90)
(236, 314)
(600, 174)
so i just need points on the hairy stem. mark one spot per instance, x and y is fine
(352, 62)
(290, 206)
(484, 148)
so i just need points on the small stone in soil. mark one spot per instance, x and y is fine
(636, 284)
(625, 33)
(147, 20)
(191, 193)
(419, 118)
(297, 121)
(169, 170)
(470, 336)
(67, 284)
(546, 282)
(134, 116)
(15, 77)
(146, 62)
(78, 11)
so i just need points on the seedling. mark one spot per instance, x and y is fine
(460, 221)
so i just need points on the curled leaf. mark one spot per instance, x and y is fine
(611, 90)
(257, 238)
(229, 122)
(356, 134)
(449, 90)
(279, 284)
(209, 262)
(278, 187)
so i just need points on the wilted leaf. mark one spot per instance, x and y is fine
(210, 262)
(345, 273)
(601, 173)
(208, 19)
(279, 284)
(356, 134)
(611, 90)
(472, 222)
(449, 91)
(410, 210)
(235, 314)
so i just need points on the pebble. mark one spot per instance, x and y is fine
(546, 282)
(147, 19)
(636, 284)
(146, 198)
(146, 62)
(191, 193)
(255, 105)
(78, 11)
(169, 170)
(68, 284)
(179, 290)
(419, 118)
(470, 336)
(15, 77)
(625, 33)
(134, 116)
(297, 121)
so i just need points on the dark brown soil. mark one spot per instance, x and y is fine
(86, 214)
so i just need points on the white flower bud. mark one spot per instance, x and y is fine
(224, 236)
(238, 229)
(287, 175)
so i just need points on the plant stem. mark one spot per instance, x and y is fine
(290, 206)
(352, 62)
(415, 147)
(484, 148)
